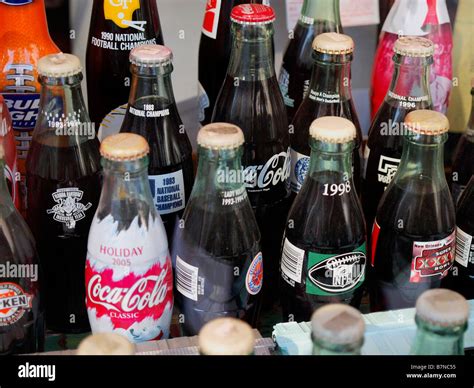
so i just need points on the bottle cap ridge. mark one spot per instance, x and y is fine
(442, 307)
(414, 46)
(102, 344)
(151, 55)
(332, 129)
(427, 122)
(252, 14)
(124, 147)
(220, 136)
(59, 65)
(333, 43)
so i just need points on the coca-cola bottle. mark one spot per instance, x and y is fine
(329, 95)
(251, 99)
(129, 280)
(214, 52)
(324, 248)
(413, 237)
(408, 91)
(21, 312)
(63, 185)
(317, 17)
(216, 249)
(116, 28)
(152, 113)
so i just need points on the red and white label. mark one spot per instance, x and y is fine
(14, 303)
(211, 18)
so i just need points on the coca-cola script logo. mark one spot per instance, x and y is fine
(211, 18)
(276, 170)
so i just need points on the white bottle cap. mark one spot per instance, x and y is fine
(333, 43)
(442, 307)
(151, 55)
(427, 122)
(332, 129)
(414, 46)
(124, 147)
(59, 65)
(220, 136)
(103, 344)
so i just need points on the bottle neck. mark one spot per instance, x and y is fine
(322, 11)
(325, 348)
(331, 157)
(6, 203)
(252, 52)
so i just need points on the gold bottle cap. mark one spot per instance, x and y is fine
(442, 307)
(332, 129)
(414, 46)
(220, 136)
(151, 55)
(333, 43)
(59, 65)
(338, 324)
(427, 122)
(105, 344)
(124, 147)
(226, 336)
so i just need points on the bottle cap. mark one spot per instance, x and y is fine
(252, 14)
(338, 324)
(220, 136)
(226, 336)
(124, 147)
(103, 344)
(442, 307)
(332, 129)
(59, 65)
(414, 46)
(333, 43)
(151, 55)
(427, 122)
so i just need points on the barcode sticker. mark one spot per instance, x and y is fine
(186, 279)
(292, 261)
(463, 247)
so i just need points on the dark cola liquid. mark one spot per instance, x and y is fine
(63, 192)
(463, 166)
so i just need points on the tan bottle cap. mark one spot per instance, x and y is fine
(338, 324)
(124, 147)
(105, 344)
(332, 129)
(442, 307)
(427, 122)
(414, 46)
(59, 65)
(333, 43)
(220, 136)
(151, 55)
(226, 336)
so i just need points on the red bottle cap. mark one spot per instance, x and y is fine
(252, 14)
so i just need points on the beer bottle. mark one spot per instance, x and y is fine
(324, 248)
(63, 184)
(337, 330)
(152, 113)
(413, 235)
(216, 250)
(441, 320)
(317, 17)
(117, 26)
(329, 95)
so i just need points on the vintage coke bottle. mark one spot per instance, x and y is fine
(152, 113)
(329, 95)
(117, 26)
(21, 311)
(413, 237)
(426, 18)
(409, 91)
(129, 280)
(317, 17)
(216, 249)
(63, 185)
(324, 248)
(250, 98)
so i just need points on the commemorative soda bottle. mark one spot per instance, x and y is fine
(63, 185)
(441, 320)
(408, 91)
(216, 249)
(317, 17)
(329, 95)
(152, 113)
(214, 52)
(25, 39)
(117, 26)
(21, 312)
(129, 280)
(426, 18)
(413, 236)
(250, 98)
(324, 248)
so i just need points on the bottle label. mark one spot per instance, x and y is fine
(112, 123)
(330, 274)
(16, 2)
(211, 18)
(14, 303)
(168, 192)
(432, 259)
(375, 238)
(284, 82)
(121, 13)
(464, 248)
(254, 278)
(408, 102)
(325, 97)
(299, 169)
(68, 209)
(234, 197)
(387, 169)
(188, 282)
(204, 102)
(291, 264)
